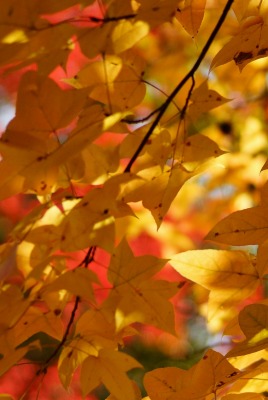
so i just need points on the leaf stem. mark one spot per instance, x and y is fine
(188, 76)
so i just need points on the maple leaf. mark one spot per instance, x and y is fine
(204, 99)
(140, 298)
(231, 276)
(158, 189)
(253, 321)
(209, 375)
(190, 15)
(248, 45)
(156, 12)
(243, 227)
(110, 80)
(110, 368)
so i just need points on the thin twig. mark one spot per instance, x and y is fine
(64, 338)
(189, 75)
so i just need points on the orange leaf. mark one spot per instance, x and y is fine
(190, 14)
(210, 374)
(241, 228)
(203, 100)
(248, 45)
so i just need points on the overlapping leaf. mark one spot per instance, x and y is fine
(109, 368)
(114, 81)
(248, 45)
(159, 189)
(209, 375)
(245, 227)
(204, 99)
(253, 321)
(190, 14)
(231, 276)
(139, 297)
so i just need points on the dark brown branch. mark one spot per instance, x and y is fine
(112, 19)
(188, 76)
(64, 338)
(140, 120)
(86, 261)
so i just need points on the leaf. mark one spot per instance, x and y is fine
(229, 275)
(10, 358)
(253, 321)
(155, 12)
(110, 368)
(126, 34)
(210, 374)
(12, 306)
(160, 189)
(190, 14)
(243, 396)
(262, 259)
(248, 45)
(27, 142)
(77, 281)
(249, 226)
(71, 357)
(34, 321)
(113, 81)
(203, 100)
(199, 148)
(140, 299)
(240, 8)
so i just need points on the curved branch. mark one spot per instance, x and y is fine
(188, 76)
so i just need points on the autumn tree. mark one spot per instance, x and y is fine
(133, 179)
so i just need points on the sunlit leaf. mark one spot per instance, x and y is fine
(248, 45)
(243, 227)
(211, 373)
(110, 368)
(204, 99)
(231, 276)
(253, 320)
(141, 299)
(190, 15)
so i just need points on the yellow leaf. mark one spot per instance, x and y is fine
(190, 14)
(262, 259)
(162, 382)
(113, 81)
(230, 275)
(78, 282)
(10, 358)
(248, 45)
(203, 100)
(27, 142)
(160, 189)
(199, 148)
(140, 299)
(12, 306)
(243, 396)
(155, 12)
(210, 374)
(253, 321)
(126, 34)
(110, 368)
(72, 357)
(243, 227)
(34, 321)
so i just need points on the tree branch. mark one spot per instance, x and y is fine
(188, 76)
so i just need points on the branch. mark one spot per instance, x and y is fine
(111, 19)
(188, 76)
(86, 261)
(64, 338)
